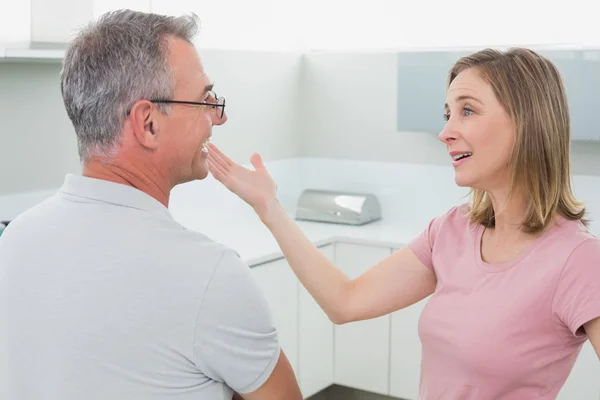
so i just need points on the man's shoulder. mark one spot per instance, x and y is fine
(33, 213)
(186, 240)
(194, 247)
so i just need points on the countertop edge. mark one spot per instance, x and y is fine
(278, 255)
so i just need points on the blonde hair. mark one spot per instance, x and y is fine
(530, 89)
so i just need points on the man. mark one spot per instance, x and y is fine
(102, 294)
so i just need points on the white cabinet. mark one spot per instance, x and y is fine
(362, 349)
(280, 287)
(584, 380)
(251, 26)
(305, 331)
(405, 365)
(52, 22)
(103, 6)
(55, 21)
(315, 342)
(15, 24)
(405, 351)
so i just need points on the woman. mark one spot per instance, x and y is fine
(515, 275)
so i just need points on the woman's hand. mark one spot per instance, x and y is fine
(256, 188)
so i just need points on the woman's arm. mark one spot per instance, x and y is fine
(592, 329)
(394, 283)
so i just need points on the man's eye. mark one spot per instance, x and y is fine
(211, 98)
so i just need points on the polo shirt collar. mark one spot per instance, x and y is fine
(112, 193)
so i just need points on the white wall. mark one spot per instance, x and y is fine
(261, 91)
(37, 141)
(339, 105)
(39, 145)
(349, 112)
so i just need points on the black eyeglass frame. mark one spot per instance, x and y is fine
(220, 103)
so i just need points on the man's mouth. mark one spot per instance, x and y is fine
(458, 157)
(204, 145)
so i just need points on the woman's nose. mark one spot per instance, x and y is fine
(448, 134)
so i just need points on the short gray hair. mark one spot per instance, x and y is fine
(113, 63)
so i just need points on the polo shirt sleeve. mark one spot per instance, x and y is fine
(235, 341)
(577, 295)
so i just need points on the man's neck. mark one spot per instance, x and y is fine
(139, 178)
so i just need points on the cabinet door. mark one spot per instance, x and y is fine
(584, 381)
(104, 6)
(362, 349)
(405, 365)
(280, 287)
(55, 21)
(315, 342)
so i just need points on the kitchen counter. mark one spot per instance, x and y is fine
(408, 203)
(246, 234)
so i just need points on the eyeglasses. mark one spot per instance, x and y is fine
(214, 102)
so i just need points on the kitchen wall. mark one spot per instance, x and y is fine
(38, 142)
(339, 105)
(349, 112)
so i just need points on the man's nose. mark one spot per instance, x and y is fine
(218, 120)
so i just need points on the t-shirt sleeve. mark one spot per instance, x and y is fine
(577, 296)
(422, 244)
(235, 338)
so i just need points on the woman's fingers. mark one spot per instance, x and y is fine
(218, 166)
(256, 161)
(218, 160)
(217, 172)
(220, 155)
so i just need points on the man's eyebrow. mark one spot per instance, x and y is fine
(464, 97)
(202, 96)
(208, 88)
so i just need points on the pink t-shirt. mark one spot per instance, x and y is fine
(504, 331)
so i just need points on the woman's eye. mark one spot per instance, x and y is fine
(467, 111)
(446, 117)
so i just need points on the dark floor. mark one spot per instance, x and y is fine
(337, 392)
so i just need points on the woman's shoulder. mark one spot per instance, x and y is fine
(454, 219)
(576, 235)
(456, 215)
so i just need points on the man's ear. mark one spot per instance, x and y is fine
(144, 124)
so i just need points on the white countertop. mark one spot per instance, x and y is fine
(408, 203)
(246, 234)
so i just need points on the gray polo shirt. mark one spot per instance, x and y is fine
(104, 296)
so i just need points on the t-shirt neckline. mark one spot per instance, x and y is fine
(500, 267)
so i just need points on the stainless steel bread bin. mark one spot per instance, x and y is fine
(337, 207)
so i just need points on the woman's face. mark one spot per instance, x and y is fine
(479, 134)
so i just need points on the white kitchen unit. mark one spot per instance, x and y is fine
(102, 6)
(39, 30)
(362, 349)
(315, 344)
(405, 351)
(405, 363)
(55, 21)
(15, 17)
(584, 380)
(280, 287)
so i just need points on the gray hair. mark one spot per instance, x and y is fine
(113, 63)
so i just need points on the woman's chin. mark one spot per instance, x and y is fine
(463, 180)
